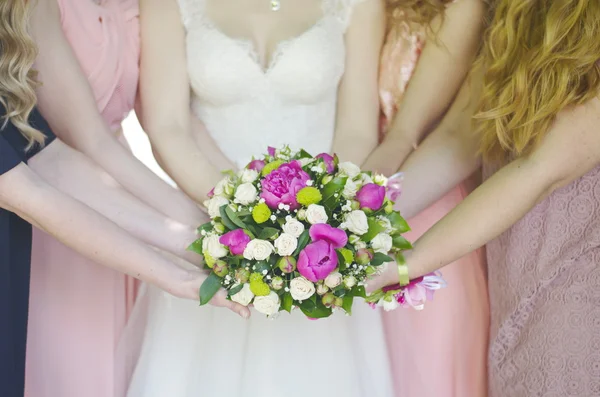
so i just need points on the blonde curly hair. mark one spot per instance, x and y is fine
(17, 77)
(419, 12)
(539, 57)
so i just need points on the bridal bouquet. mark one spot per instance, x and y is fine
(292, 230)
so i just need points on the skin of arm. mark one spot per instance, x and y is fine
(443, 65)
(76, 120)
(165, 99)
(72, 173)
(570, 150)
(358, 101)
(25, 193)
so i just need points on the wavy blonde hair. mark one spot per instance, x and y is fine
(539, 57)
(17, 77)
(420, 12)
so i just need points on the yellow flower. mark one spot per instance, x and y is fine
(260, 288)
(309, 195)
(261, 213)
(347, 254)
(209, 260)
(272, 166)
(256, 277)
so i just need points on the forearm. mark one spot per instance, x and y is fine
(354, 148)
(485, 214)
(73, 174)
(208, 146)
(180, 157)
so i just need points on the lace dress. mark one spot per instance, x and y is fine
(544, 286)
(193, 352)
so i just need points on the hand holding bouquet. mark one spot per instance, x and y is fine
(292, 230)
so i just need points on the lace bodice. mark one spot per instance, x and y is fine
(247, 108)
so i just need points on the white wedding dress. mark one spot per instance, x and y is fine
(191, 351)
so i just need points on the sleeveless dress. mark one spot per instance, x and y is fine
(194, 352)
(15, 261)
(78, 308)
(544, 283)
(443, 352)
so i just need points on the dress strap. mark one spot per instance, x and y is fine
(341, 9)
(192, 12)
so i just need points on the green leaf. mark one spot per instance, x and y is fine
(347, 305)
(336, 185)
(379, 259)
(302, 243)
(235, 290)
(209, 288)
(398, 222)
(341, 261)
(287, 302)
(267, 233)
(374, 229)
(206, 227)
(243, 213)
(225, 219)
(401, 243)
(261, 266)
(196, 246)
(234, 217)
(303, 154)
(308, 305)
(319, 311)
(359, 291)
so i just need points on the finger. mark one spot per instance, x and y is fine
(221, 300)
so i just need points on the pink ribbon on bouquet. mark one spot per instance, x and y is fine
(418, 291)
(394, 186)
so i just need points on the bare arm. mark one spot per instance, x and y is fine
(25, 193)
(358, 103)
(67, 102)
(72, 173)
(570, 150)
(448, 155)
(165, 99)
(443, 65)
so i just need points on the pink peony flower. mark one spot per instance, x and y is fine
(282, 185)
(236, 240)
(256, 165)
(317, 261)
(328, 160)
(322, 231)
(371, 196)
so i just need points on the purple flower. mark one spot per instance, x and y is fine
(371, 196)
(271, 151)
(328, 160)
(317, 260)
(236, 240)
(322, 231)
(282, 185)
(256, 165)
(211, 193)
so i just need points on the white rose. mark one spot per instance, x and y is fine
(333, 280)
(301, 289)
(248, 176)
(267, 305)
(356, 222)
(322, 289)
(389, 305)
(212, 247)
(244, 296)
(293, 227)
(316, 214)
(350, 169)
(258, 249)
(214, 204)
(286, 244)
(382, 243)
(306, 161)
(380, 180)
(246, 194)
(365, 178)
(224, 188)
(350, 281)
(350, 189)
(360, 244)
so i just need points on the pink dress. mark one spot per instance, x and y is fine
(78, 309)
(545, 297)
(441, 350)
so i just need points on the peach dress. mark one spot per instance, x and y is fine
(79, 309)
(441, 350)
